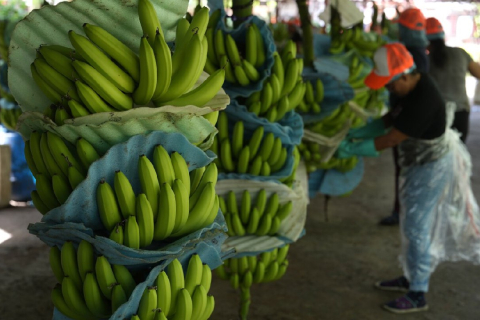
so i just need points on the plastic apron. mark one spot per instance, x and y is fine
(440, 219)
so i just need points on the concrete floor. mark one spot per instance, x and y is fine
(331, 274)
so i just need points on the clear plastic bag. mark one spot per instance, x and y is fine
(328, 145)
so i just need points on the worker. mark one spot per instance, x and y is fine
(448, 67)
(440, 217)
(411, 32)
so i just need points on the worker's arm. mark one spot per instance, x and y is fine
(387, 120)
(474, 69)
(389, 140)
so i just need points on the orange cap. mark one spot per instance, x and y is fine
(412, 19)
(434, 26)
(391, 60)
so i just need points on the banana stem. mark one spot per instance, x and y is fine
(308, 55)
(242, 9)
(245, 303)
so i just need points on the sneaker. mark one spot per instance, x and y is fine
(391, 220)
(407, 304)
(399, 284)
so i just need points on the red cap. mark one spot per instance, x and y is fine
(434, 26)
(391, 60)
(412, 19)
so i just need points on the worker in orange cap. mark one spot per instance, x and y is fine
(448, 67)
(440, 218)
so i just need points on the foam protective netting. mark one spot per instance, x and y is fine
(81, 205)
(289, 128)
(347, 57)
(336, 93)
(333, 182)
(50, 25)
(130, 308)
(334, 68)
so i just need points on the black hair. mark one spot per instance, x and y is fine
(438, 52)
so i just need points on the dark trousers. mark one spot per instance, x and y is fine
(396, 205)
(461, 123)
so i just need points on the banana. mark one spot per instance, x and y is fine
(184, 306)
(200, 212)
(105, 277)
(276, 151)
(243, 159)
(276, 88)
(254, 97)
(92, 294)
(56, 263)
(211, 55)
(243, 265)
(74, 300)
(253, 221)
(212, 117)
(272, 205)
(148, 74)
(132, 233)
(281, 161)
(250, 71)
(291, 75)
(264, 225)
(237, 138)
(182, 206)
(271, 114)
(101, 85)
(282, 269)
(177, 282)
(267, 146)
(319, 93)
(209, 308)
(245, 207)
(119, 297)
(149, 181)
(266, 257)
(124, 278)
(182, 28)
(85, 258)
(107, 206)
(275, 226)
(135, 317)
(164, 293)
(180, 168)
(160, 315)
(74, 177)
(206, 277)
(282, 108)
(61, 188)
(149, 21)
(235, 280)
(222, 126)
(148, 304)
(193, 277)
(202, 94)
(241, 76)
(261, 54)
(117, 234)
(55, 79)
(284, 210)
(163, 62)
(91, 99)
(145, 220)
(210, 175)
(59, 62)
(184, 77)
(229, 73)
(282, 253)
(251, 46)
(61, 153)
(237, 225)
(210, 67)
(68, 259)
(67, 52)
(77, 109)
(61, 305)
(232, 50)
(265, 171)
(195, 178)
(226, 156)
(247, 280)
(259, 272)
(101, 62)
(124, 194)
(199, 302)
(220, 270)
(45, 191)
(289, 53)
(166, 215)
(34, 145)
(256, 166)
(220, 49)
(296, 95)
(267, 96)
(277, 69)
(86, 152)
(163, 165)
(271, 272)
(232, 202)
(252, 263)
(223, 205)
(114, 48)
(255, 108)
(233, 265)
(49, 91)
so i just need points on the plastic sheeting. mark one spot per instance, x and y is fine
(81, 205)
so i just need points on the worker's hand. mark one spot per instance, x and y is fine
(372, 130)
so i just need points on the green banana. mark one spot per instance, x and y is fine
(243, 159)
(232, 50)
(163, 166)
(91, 99)
(49, 91)
(148, 74)
(195, 178)
(226, 156)
(177, 283)
(245, 207)
(77, 109)
(253, 221)
(68, 259)
(59, 62)
(61, 305)
(86, 152)
(95, 302)
(74, 177)
(132, 233)
(251, 46)
(74, 299)
(107, 206)
(180, 168)
(182, 206)
(56, 263)
(237, 138)
(56, 80)
(148, 304)
(34, 144)
(163, 62)
(164, 292)
(145, 220)
(124, 278)
(117, 234)
(119, 297)
(149, 181)
(124, 194)
(206, 277)
(85, 258)
(256, 166)
(193, 277)
(45, 191)
(241, 76)
(149, 21)
(167, 212)
(105, 277)
(199, 302)
(61, 188)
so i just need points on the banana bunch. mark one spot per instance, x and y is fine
(342, 165)
(88, 288)
(57, 167)
(243, 272)
(9, 117)
(104, 75)
(330, 125)
(296, 161)
(310, 152)
(262, 155)
(173, 201)
(283, 90)
(240, 64)
(176, 295)
(355, 38)
(312, 98)
(264, 218)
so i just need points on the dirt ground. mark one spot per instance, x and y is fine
(331, 273)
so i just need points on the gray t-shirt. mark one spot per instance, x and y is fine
(451, 78)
